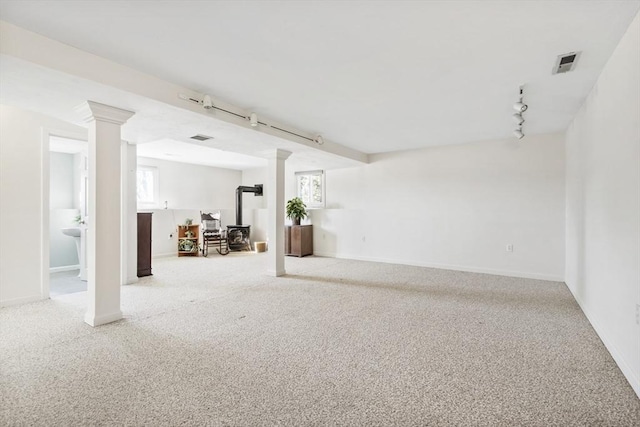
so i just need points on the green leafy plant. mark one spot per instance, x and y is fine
(296, 210)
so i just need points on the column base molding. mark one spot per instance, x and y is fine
(274, 273)
(94, 320)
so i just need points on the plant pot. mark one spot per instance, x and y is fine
(296, 221)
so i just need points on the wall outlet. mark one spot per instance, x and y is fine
(364, 239)
(637, 314)
(509, 247)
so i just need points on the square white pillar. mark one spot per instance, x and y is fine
(104, 224)
(129, 214)
(276, 210)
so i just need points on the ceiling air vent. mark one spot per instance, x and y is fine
(565, 62)
(201, 137)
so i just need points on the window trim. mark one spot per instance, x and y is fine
(321, 173)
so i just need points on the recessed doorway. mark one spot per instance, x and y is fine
(67, 215)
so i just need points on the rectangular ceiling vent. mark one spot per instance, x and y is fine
(201, 137)
(565, 62)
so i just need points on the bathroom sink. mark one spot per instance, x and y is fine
(72, 231)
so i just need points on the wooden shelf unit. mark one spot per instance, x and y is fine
(183, 232)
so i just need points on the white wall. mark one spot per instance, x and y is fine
(187, 186)
(254, 208)
(21, 201)
(603, 205)
(451, 207)
(61, 181)
(62, 202)
(188, 189)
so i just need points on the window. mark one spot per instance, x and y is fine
(147, 186)
(311, 188)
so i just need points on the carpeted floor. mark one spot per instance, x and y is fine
(212, 341)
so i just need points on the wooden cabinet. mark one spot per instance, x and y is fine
(188, 238)
(144, 244)
(298, 240)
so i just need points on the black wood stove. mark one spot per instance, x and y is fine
(239, 235)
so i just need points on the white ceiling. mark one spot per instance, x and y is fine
(177, 151)
(373, 76)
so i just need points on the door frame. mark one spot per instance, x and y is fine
(45, 167)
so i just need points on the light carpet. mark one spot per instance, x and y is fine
(213, 341)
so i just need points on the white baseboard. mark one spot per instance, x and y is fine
(608, 343)
(167, 255)
(19, 301)
(64, 268)
(469, 269)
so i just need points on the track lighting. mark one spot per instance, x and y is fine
(253, 119)
(520, 107)
(518, 119)
(206, 102)
(518, 133)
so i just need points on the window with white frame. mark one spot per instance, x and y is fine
(310, 187)
(147, 186)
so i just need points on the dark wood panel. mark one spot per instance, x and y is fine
(287, 240)
(144, 244)
(298, 240)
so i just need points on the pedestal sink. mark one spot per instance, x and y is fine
(79, 235)
(72, 231)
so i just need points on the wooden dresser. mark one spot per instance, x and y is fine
(298, 240)
(144, 244)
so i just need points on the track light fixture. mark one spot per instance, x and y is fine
(518, 119)
(520, 107)
(206, 102)
(253, 119)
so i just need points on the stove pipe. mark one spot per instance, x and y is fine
(256, 190)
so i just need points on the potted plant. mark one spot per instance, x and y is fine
(296, 210)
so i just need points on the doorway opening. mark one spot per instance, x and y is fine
(67, 215)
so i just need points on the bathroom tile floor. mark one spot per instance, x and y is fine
(65, 282)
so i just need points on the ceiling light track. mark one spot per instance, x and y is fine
(520, 108)
(252, 118)
(230, 112)
(292, 133)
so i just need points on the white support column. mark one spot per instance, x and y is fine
(104, 222)
(129, 214)
(275, 207)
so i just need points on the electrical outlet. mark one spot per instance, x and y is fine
(638, 314)
(509, 247)
(364, 239)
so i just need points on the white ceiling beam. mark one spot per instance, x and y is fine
(45, 52)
